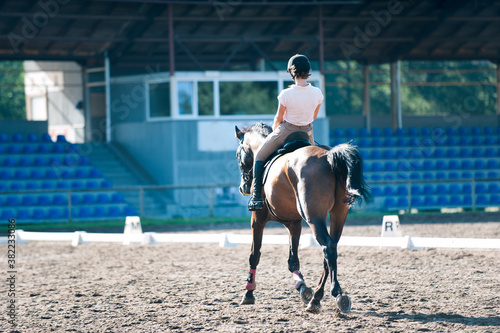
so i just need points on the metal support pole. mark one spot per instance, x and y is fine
(394, 99)
(107, 76)
(398, 93)
(141, 201)
(498, 94)
(69, 206)
(171, 49)
(211, 201)
(321, 41)
(86, 106)
(366, 97)
(473, 194)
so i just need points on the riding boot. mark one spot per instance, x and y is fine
(256, 202)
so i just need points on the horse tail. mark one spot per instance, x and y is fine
(347, 165)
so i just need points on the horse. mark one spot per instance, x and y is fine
(305, 184)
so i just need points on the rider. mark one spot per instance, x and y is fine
(298, 107)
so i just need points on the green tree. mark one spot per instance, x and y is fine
(12, 97)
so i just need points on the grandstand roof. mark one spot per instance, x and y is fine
(212, 35)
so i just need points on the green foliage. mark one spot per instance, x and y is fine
(12, 97)
(244, 98)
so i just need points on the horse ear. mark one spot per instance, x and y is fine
(238, 133)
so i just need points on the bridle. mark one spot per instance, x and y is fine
(246, 175)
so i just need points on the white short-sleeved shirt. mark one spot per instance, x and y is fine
(300, 103)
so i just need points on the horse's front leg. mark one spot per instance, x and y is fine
(257, 233)
(294, 230)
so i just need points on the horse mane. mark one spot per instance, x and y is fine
(260, 128)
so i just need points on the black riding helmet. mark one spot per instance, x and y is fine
(298, 64)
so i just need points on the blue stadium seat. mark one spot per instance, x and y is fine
(12, 201)
(102, 198)
(5, 174)
(39, 161)
(31, 186)
(114, 211)
(455, 200)
(54, 161)
(23, 214)
(441, 165)
(439, 153)
(400, 132)
(415, 176)
(29, 148)
(466, 165)
(453, 175)
(493, 188)
(366, 167)
(488, 130)
(482, 200)
(389, 190)
(130, 211)
(91, 184)
(72, 148)
(474, 130)
(24, 161)
(85, 212)
(376, 132)
(106, 184)
(428, 189)
(59, 200)
(71, 160)
(100, 212)
(20, 174)
(441, 189)
(492, 164)
(479, 175)
(464, 141)
(76, 199)
(16, 186)
(50, 174)
(454, 189)
(479, 164)
(401, 142)
(376, 154)
(365, 154)
(32, 137)
(388, 142)
(451, 152)
(376, 142)
(402, 190)
(402, 203)
(387, 131)
(416, 190)
(492, 174)
(47, 186)
(388, 154)
(62, 185)
(118, 197)
(462, 130)
(477, 152)
(95, 173)
(58, 148)
(495, 199)
(389, 166)
(412, 131)
(28, 200)
(425, 131)
(88, 199)
(414, 142)
(427, 176)
(9, 162)
(363, 132)
(466, 188)
(453, 165)
(4, 138)
(61, 138)
(45, 137)
(77, 185)
(390, 203)
(401, 153)
(427, 152)
(428, 165)
(43, 200)
(451, 141)
(464, 152)
(476, 141)
(481, 188)
(55, 213)
(3, 186)
(84, 161)
(401, 176)
(416, 202)
(403, 166)
(36, 174)
(429, 201)
(389, 176)
(43, 148)
(17, 137)
(466, 175)
(415, 154)
(376, 192)
(80, 173)
(441, 201)
(350, 132)
(338, 132)
(376, 177)
(450, 131)
(375, 166)
(8, 214)
(66, 174)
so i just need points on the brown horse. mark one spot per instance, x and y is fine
(306, 184)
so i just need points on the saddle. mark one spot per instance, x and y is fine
(293, 142)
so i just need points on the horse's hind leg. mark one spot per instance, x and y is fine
(315, 304)
(294, 230)
(257, 233)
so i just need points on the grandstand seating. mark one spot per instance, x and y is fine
(29, 162)
(430, 158)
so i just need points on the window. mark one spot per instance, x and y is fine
(38, 108)
(248, 98)
(159, 100)
(205, 98)
(185, 96)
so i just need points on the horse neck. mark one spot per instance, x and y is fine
(255, 142)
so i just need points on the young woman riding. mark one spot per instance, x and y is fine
(298, 108)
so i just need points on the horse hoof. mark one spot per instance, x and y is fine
(344, 303)
(313, 307)
(306, 294)
(247, 300)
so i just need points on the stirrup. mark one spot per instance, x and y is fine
(255, 204)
